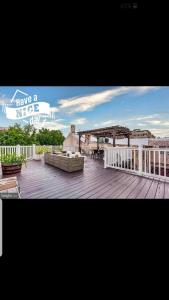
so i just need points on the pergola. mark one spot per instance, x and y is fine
(110, 132)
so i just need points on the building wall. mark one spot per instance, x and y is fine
(121, 142)
(133, 142)
(3, 128)
(71, 143)
(145, 141)
(141, 134)
(158, 143)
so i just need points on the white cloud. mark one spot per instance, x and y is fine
(140, 118)
(141, 124)
(144, 89)
(84, 103)
(51, 125)
(58, 120)
(54, 109)
(158, 122)
(108, 123)
(165, 123)
(160, 131)
(79, 121)
(4, 100)
(154, 122)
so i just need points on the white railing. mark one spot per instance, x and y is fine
(151, 162)
(7, 150)
(28, 151)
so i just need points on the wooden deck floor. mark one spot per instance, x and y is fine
(39, 181)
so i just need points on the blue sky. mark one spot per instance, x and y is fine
(92, 107)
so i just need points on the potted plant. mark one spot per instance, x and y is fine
(40, 151)
(12, 163)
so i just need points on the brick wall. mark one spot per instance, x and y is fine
(156, 143)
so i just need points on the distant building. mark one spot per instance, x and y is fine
(71, 143)
(3, 128)
(159, 143)
(138, 133)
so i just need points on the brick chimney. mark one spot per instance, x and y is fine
(72, 128)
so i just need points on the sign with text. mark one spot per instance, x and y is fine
(28, 109)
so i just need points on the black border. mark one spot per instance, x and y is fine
(122, 52)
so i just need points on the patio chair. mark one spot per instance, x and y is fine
(95, 153)
(101, 153)
(9, 185)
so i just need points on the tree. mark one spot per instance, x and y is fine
(49, 137)
(13, 136)
(27, 135)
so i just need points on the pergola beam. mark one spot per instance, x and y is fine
(113, 132)
(97, 142)
(117, 131)
(128, 136)
(79, 142)
(114, 140)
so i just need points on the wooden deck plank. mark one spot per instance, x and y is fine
(81, 190)
(135, 191)
(131, 187)
(73, 186)
(141, 194)
(39, 181)
(166, 190)
(115, 186)
(70, 179)
(105, 192)
(123, 185)
(160, 190)
(152, 190)
(101, 190)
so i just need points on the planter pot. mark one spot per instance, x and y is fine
(11, 169)
(38, 157)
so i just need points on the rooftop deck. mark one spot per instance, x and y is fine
(39, 180)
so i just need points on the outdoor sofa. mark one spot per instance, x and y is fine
(68, 164)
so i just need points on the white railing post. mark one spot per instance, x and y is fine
(18, 150)
(140, 165)
(105, 158)
(165, 163)
(34, 151)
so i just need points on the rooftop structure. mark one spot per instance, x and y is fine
(138, 133)
(71, 143)
(3, 128)
(110, 132)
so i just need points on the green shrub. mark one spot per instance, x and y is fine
(42, 149)
(12, 158)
